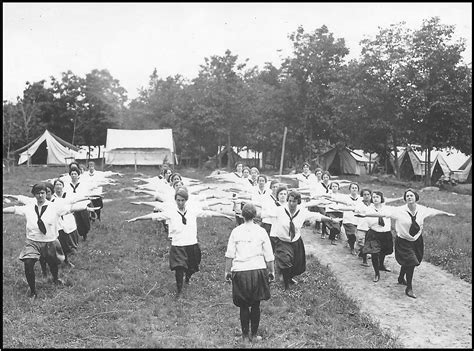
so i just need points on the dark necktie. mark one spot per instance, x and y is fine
(414, 227)
(40, 222)
(276, 201)
(292, 225)
(381, 221)
(74, 187)
(306, 176)
(326, 187)
(183, 219)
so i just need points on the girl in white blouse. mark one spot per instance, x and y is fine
(185, 253)
(249, 266)
(409, 220)
(378, 241)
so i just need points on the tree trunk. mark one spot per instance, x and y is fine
(428, 167)
(397, 166)
(229, 152)
(218, 157)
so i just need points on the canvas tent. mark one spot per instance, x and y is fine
(440, 169)
(464, 173)
(342, 160)
(449, 165)
(47, 149)
(139, 147)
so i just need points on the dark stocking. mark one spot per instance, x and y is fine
(381, 260)
(255, 317)
(179, 273)
(30, 274)
(286, 277)
(375, 263)
(244, 320)
(409, 271)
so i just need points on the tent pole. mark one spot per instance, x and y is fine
(135, 154)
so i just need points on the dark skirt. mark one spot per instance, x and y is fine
(267, 227)
(378, 242)
(187, 257)
(249, 287)
(290, 255)
(68, 242)
(409, 253)
(82, 222)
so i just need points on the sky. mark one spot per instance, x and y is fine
(130, 40)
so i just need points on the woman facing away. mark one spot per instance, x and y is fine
(249, 265)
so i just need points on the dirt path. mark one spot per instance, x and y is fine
(440, 317)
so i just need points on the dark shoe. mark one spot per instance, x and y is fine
(32, 295)
(376, 278)
(385, 269)
(409, 293)
(365, 264)
(333, 242)
(402, 281)
(186, 280)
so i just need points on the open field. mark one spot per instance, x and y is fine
(121, 292)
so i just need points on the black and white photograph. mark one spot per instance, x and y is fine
(237, 175)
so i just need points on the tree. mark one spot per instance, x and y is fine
(102, 107)
(317, 59)
(222, 100)
(440, 109)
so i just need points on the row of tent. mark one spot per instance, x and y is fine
(445, 165)
(155, 147)
(123, 147)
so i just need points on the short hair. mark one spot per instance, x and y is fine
(177, 182)
(281, 188)
(319, 169)
(364, 190)
(74, 169)
(306, 164)
(353, 183)
(246, 168)
(172, 175)
(273, 182)
(338, 186)
(38, 187)
(91, 162)
(58, 181)
(183, 192)
(239, 163)
(255, 169)
(74, 164)
(262, 176)
(296, 195)
(379, 193)
(417, 196)
(249, 211)
(50, 186)
(326, 173)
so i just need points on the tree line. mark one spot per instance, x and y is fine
(406, 86)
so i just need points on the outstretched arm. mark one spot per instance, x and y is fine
(151, 216)
(10, 209)
(211, 213)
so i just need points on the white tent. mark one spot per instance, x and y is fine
(47, 149)
(139, 147)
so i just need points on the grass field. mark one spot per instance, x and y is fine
(122, 294)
